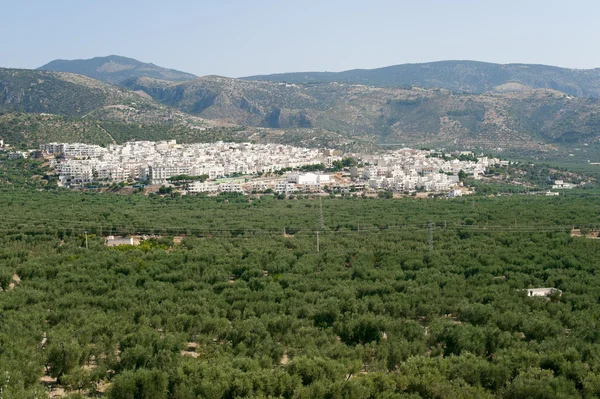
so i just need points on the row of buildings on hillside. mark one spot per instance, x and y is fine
(292, 183)
(409, 169)
(6, 148)
(404, 170)
(156, 162)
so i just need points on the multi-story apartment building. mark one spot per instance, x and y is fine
(160, 173)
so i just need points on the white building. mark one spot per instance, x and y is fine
(260, 186)
(542, 291)
(230, 188)
(18, 155)
(53, 148)
(202, 187)
(159, 174)
(285, 187)
(455, 193)
(561, 185)
(307, 178)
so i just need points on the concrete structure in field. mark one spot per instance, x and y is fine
(542, 292)
(112, 241)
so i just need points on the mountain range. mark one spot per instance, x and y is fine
(512, 115)
(44, 106)
(537, 119)
(115, 69)
(458, 76)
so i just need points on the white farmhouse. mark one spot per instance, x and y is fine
(561, 185)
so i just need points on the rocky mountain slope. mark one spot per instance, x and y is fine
(114, 69)
(509, 117)
(457, 76)
(58, 93)
(74, 95)
(43, 106)
(28, 130)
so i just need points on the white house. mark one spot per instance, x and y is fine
(561, 185)
(542, 291)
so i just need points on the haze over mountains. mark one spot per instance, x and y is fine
(461, 104)
(114, 69)
(458, 76)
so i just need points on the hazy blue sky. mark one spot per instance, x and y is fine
(244, 37)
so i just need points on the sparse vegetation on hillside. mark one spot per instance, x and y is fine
(31, 130)
(23, 130)
(25, 90)
(544, 123)
(459, 76)
(538, 120)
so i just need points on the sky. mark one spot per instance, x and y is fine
(248, 37)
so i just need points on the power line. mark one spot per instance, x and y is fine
(204, 232)
(321, 219)
(317, 241)
(57, 222)
(37, 221)
(430, 237)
